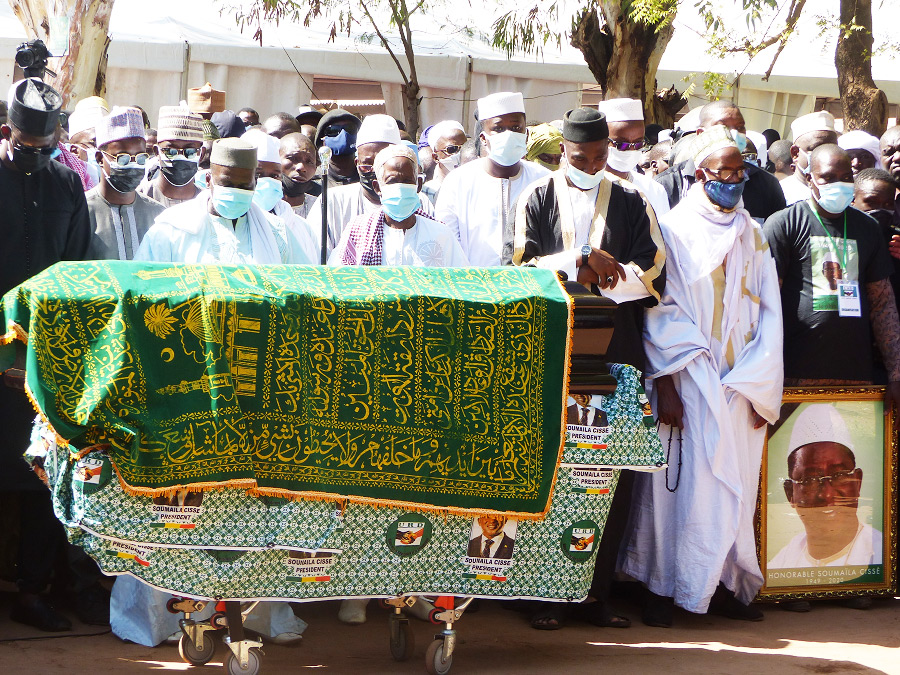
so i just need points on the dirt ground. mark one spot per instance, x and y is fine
(829, 639)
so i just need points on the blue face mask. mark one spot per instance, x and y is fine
(835, 197)
(582, 180)
(268, 193)
(507, 148)
(201, 179)
(399, 200)
(231, 203)
(342, 144)
(56, 153)
(726, 195)
(739, 138)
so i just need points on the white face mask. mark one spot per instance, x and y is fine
(507, 148)
(450, 162)
(582, 180)
(623, 160)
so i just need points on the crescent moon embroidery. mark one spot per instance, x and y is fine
(168, 351)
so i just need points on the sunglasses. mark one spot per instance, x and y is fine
(726, 175)
(124, 159)
(623, 146)
(451, 149)
(28, 150)
(189, 153)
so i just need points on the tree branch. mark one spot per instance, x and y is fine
(384, 41)
(781, 37)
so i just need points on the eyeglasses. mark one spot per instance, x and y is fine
(28, 150)
(332, 131)
(451, 149)
(727, 175)
(811, 486)
(623, 146)
(189, 153)
(365, 168)
(124, 159)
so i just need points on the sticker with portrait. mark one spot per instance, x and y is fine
(829, 270)
(827, 494)
(492, 543)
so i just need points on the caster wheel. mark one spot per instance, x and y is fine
(435, 664)
(170, 605)
(403, 645)
(189, 652)
(218, 620)
(233, 666)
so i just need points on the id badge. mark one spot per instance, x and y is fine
(848, 299)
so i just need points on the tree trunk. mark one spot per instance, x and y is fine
(411, 101)
(865, 105)
(624, 56)
(82, 71)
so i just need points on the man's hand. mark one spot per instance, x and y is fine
(758, 420)
(587, 276)
(669, 407)
(604, 267)
(894, 246)
(891, 396)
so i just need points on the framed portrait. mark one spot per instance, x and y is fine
(827, 517)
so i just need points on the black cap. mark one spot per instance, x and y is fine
(584, 125)
(336, 115)
(308, 115)
(34, 107)
(228, 124)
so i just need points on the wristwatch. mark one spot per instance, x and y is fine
(585, 254)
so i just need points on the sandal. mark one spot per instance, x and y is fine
(599, 614)
(550, 618)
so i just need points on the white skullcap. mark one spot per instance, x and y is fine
(622, 109)
(267, 147)
(501, 103)
(712, 140)
(442, 129)
(664, 135)
(817, 121)
(820, 422)
(691, 120)
(88, 111)
(387, 154)
(860, 140)
(829, 257)
(762, 146)
(378, 129)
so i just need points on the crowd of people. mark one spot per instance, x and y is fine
(740, 263)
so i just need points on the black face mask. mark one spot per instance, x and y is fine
(365, 180)
(292, 188)
(30, 162)
(179, 172)
(884, 217)
(125, 179)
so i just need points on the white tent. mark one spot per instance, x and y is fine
(160, 49)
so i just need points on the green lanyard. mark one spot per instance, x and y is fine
(830, 239)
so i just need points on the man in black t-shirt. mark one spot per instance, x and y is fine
(835, 271)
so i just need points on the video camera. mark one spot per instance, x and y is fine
(32, 57)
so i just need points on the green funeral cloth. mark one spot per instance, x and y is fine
(436, 388)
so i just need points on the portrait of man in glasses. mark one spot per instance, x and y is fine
(823, 486)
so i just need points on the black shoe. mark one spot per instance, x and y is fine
(37, 612)
(658, 611)
(859, 602)
(800, 606)
(725, 604)
(92, 606)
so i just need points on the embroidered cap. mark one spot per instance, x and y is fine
(121, 123)
(233, 152)
(205, 99)
(34, 106)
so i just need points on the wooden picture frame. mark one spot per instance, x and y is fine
(829, 537)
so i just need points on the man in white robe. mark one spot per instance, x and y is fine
(297, 242)
(478, 200)
(394, 235)
(222, 226)
(714, 376)
(345, 202)
(625, 119)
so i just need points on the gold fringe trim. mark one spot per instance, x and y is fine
(14, 332)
